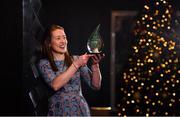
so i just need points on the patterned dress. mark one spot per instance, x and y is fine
(68, 100)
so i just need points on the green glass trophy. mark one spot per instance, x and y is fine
(95, 43)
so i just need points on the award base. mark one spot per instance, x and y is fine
(96, 53)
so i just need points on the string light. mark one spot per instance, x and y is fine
(153, 70)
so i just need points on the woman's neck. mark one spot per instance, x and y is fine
(58, 56)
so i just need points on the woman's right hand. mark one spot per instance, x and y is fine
(82, 60)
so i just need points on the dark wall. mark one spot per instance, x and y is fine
(10, 57)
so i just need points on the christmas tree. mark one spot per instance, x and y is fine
(151, 83)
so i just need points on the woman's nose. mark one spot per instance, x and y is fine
(62, 40)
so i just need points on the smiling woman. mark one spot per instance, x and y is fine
(62, 72)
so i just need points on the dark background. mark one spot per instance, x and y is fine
(79, 18)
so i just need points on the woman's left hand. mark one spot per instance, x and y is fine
(97, 58)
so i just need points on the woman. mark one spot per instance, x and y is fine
(62, 73)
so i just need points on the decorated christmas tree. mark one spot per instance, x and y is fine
(151, 83)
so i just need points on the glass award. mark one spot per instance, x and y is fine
(95, 43)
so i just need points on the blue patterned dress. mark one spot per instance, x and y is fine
(68, 100)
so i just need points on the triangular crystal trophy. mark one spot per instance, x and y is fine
(95, 43)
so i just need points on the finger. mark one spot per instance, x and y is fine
(94, 61)
(99, 56)
(90, 55)
(95, 57)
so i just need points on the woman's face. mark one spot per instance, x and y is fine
(58, 41)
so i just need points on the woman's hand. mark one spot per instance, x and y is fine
(96, 58)
(82, 60)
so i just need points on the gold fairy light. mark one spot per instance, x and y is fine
(147, 102)
(154, 27)
(137, 110)
(142, 84)
(135, 68)
(153, 103)
(146, 7)
(147, 114)
(169, 15)
(130, 59)
(172, 100)
(152, 68)
(167, 11)
(157, 3)
(138, 22)
(136, 80)
(163, 16)
(132, 101)
(130, 70)
(163, 65)
(150, 54)
(156, 12)
(143, 18)
(145, 15)
(165, 44)
(159, 101)
(157, 80)
(161, 75)
(154, 113)
(164, 2)
(136, 51)
(166, 63)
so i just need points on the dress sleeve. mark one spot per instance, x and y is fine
(47, 73)
(86, 75)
